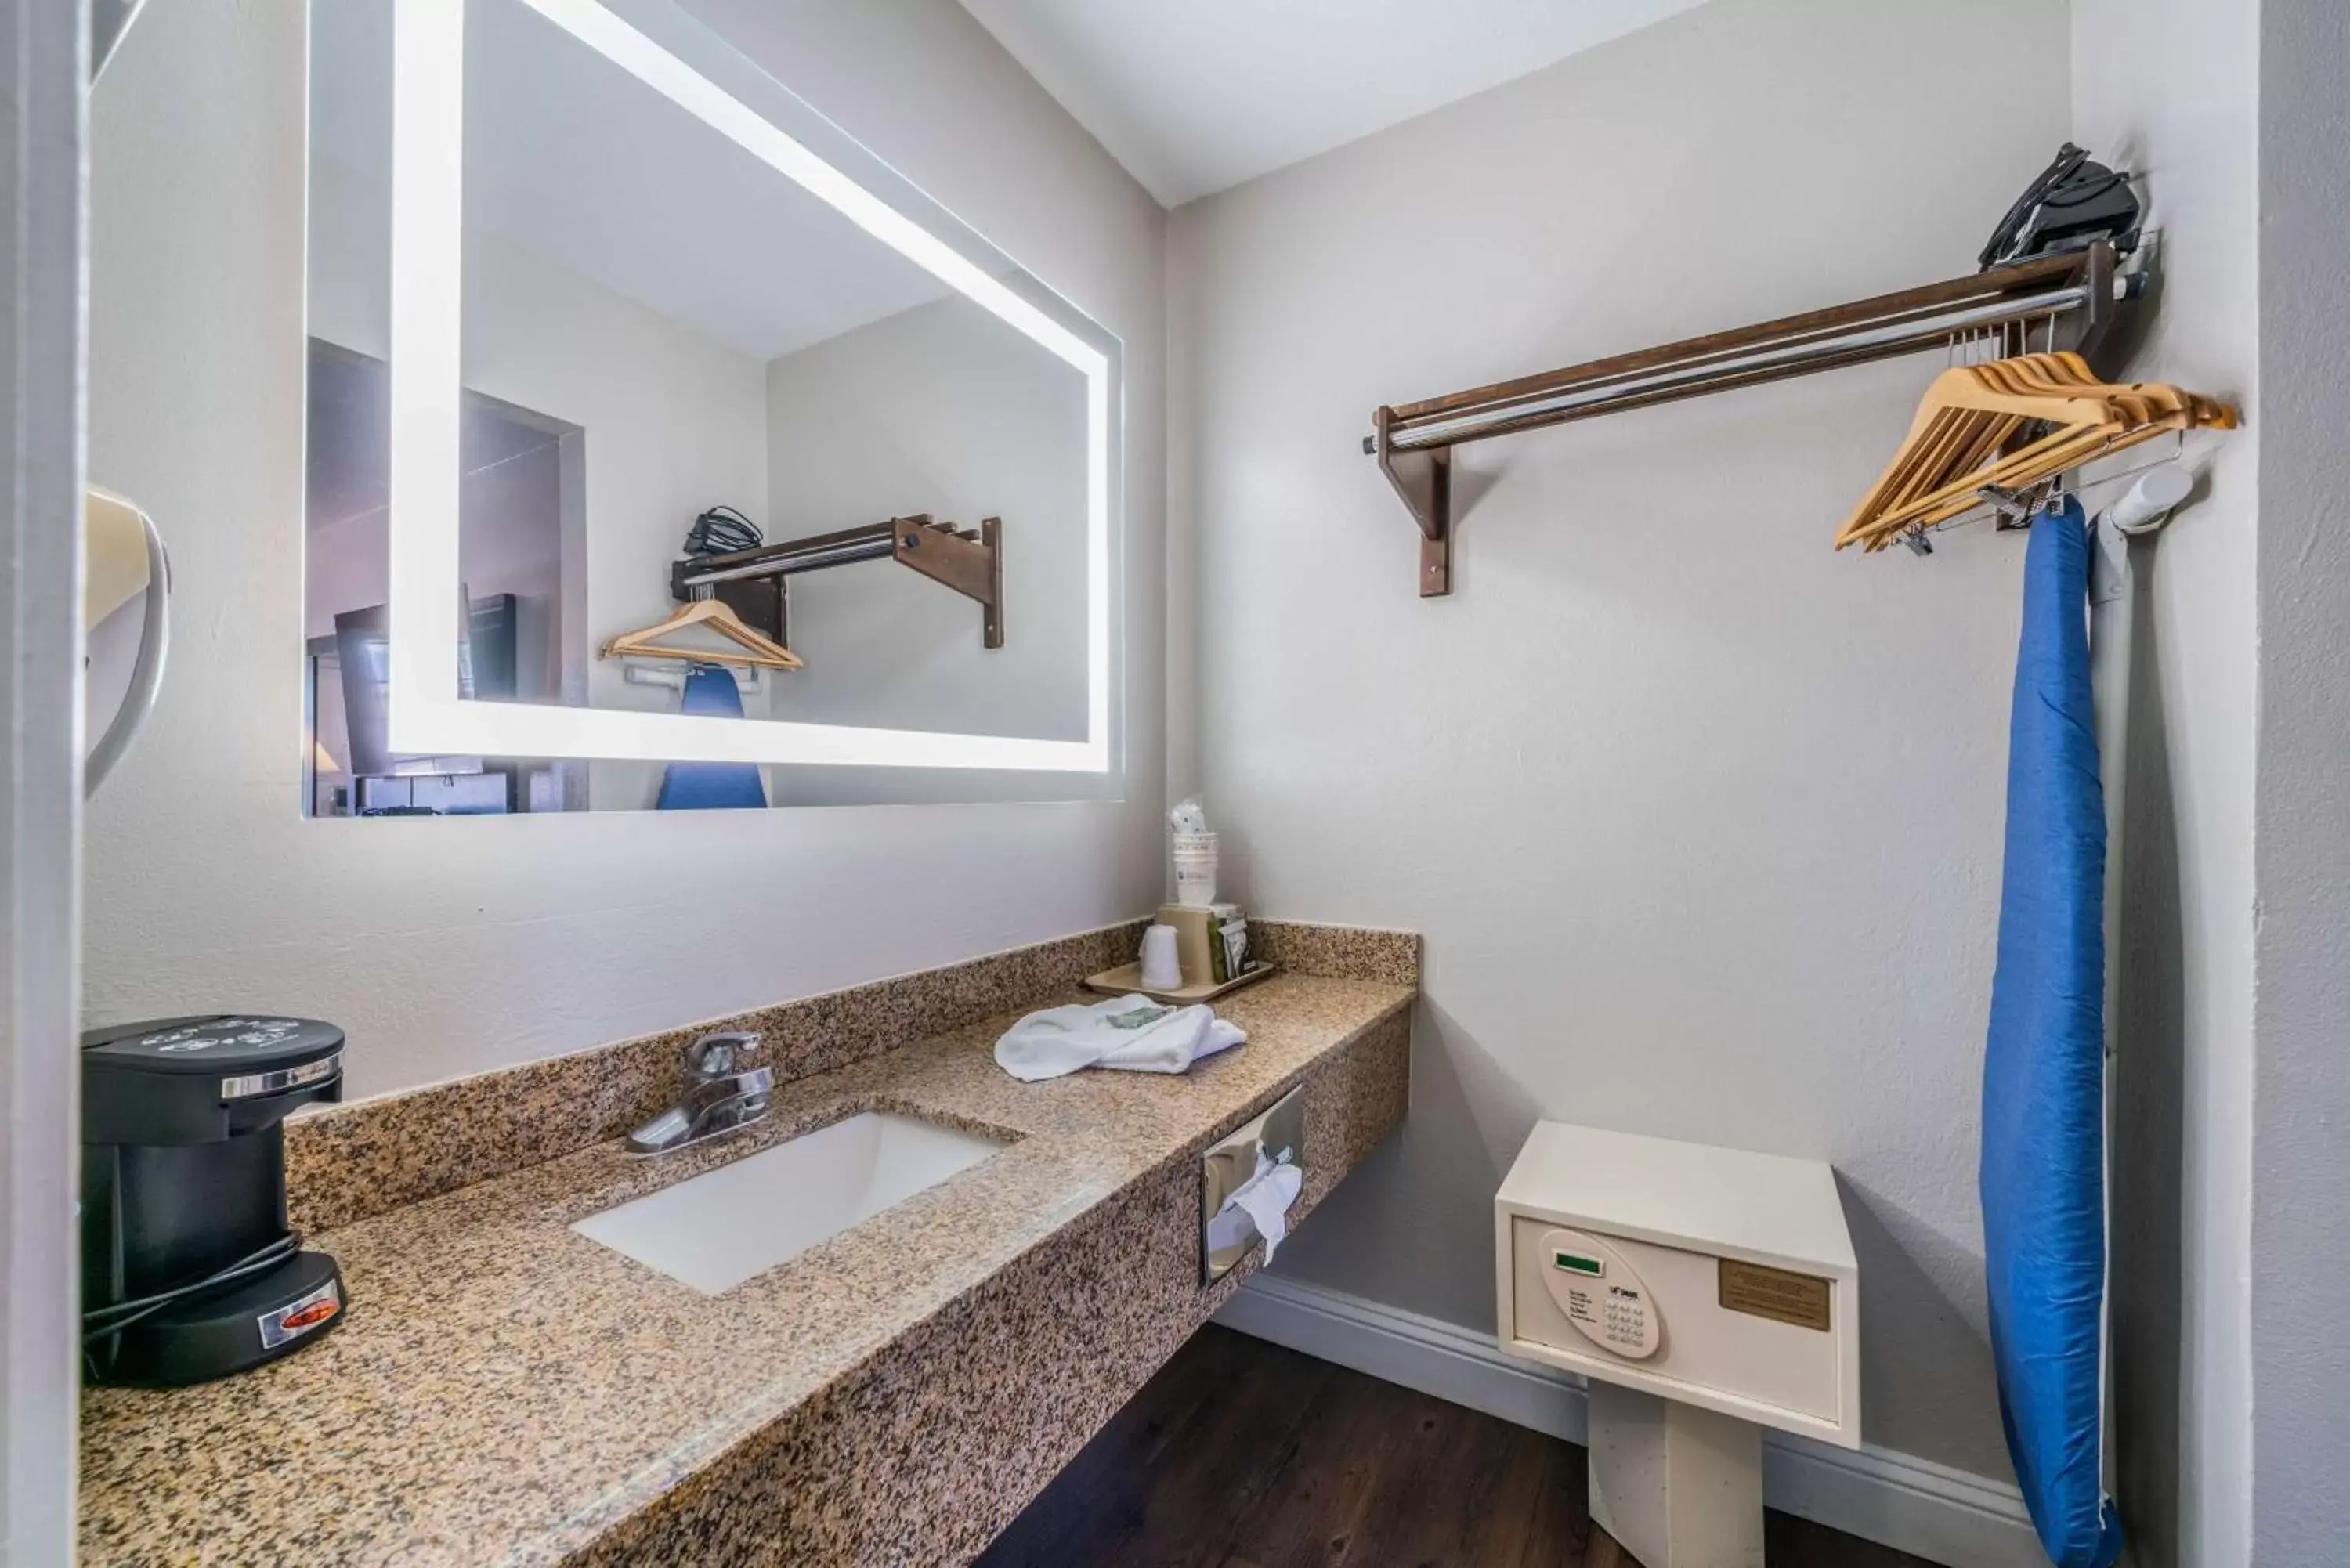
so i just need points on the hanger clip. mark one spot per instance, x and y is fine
(1918, 544)
(2014, 507)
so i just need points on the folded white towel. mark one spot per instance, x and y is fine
(1132, 1032)
(1195, 1033)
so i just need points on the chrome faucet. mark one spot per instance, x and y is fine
(721, 1095)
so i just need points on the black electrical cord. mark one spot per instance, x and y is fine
(116, 1316)
(107, 1323)
(720, 531)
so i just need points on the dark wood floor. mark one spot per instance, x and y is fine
(1241, 1454)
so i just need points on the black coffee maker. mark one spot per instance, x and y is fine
(188, 1270)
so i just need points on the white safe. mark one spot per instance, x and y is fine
(1713, 1277)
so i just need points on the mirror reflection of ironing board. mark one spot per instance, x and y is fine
(1705, 1293)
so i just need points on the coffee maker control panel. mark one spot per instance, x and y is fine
(202, 1079)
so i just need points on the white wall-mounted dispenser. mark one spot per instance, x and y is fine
(123, 560)
(1704, 1294)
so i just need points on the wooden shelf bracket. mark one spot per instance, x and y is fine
(971, 564)
(1424, 481)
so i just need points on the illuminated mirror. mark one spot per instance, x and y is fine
(668, 450)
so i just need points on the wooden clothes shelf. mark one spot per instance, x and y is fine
(2076, 296)
(750, 582)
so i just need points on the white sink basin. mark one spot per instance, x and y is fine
(719, 1229)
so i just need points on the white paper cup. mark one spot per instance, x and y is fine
(1161, 969)
(1195, 870)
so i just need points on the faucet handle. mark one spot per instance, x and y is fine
(717, 1055)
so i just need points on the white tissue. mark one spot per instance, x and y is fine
(1263, 1200)
(1189, 816)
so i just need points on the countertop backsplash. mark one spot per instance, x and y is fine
(347, 1162)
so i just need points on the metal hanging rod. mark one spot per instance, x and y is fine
(2074, 296)
(879, 542)
(1609, 394)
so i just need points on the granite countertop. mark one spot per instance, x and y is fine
(505, 1391)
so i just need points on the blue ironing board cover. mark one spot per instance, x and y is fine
(2042, 1178)
(711, 787)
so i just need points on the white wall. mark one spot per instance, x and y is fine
(2300, 1328)
(449, 946)
(1701, 821)
(2168, 90)
(946, 410)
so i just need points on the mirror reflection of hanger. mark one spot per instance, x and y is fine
(760, 650)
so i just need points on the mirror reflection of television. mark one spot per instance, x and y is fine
(485, 668)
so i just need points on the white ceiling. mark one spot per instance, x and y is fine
(570, 158)
(1194, 96)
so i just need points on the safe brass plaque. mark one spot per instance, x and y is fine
(1799, 1299)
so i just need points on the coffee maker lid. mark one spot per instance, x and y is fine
(242, 1042)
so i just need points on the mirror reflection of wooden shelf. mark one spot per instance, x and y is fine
(1126, 979)
(750, 582)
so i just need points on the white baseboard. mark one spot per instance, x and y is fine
(1941, 1515)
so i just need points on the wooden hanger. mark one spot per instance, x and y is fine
(1963, 419)
(760, 651)
(2044, 458)
(1943, 441)
(1971, 415)
(2039, 461)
